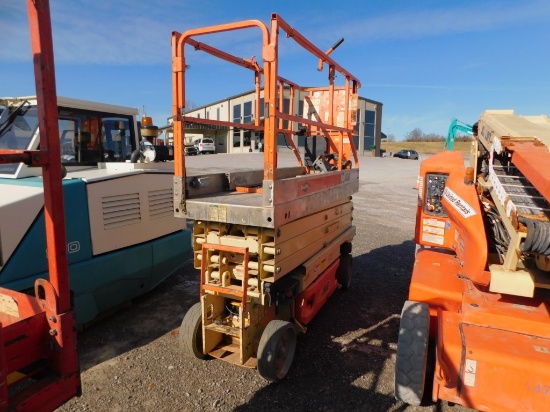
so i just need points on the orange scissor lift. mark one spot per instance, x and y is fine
(271, 244)
(480, 282)
(39, 361)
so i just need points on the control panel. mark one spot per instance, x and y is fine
(435, 185)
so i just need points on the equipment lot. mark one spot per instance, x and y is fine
(345, 361)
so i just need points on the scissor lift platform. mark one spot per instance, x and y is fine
(270, 204)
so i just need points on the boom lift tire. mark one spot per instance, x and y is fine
(190, 333)
(344, 271)
(412, 352)
(276, 350)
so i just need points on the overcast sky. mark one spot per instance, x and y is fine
(428, 62)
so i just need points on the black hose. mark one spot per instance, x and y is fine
(538, 237)
(541, 238)
(529, 238)
(497, 236)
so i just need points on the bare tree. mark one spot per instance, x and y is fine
(190, 105)
(433, 137)
(391, 137)
(416, 135)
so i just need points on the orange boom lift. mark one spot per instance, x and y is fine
(38, 359)
(481, 274)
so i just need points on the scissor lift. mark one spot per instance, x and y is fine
(272, 245)
(38, 360)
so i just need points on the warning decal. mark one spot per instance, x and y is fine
(438, 240)
(458, 203)
(218, 213)
(432, 231)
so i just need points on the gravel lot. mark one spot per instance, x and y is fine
(131, 360)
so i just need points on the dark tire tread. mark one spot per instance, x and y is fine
(268, 346)
(190, 332)
(412, 352)
(344, 271)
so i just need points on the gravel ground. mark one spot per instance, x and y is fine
(132, 361)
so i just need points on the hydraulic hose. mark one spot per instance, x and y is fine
(538, 237)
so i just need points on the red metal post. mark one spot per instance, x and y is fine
(270, 53)
(54, 212)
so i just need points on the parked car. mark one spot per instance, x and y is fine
(407, 154)
(205, 145)
(191, 151)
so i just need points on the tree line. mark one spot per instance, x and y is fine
(417, 135)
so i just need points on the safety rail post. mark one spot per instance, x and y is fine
(54, 212)
(42, 326)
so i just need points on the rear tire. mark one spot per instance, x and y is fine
(190, 335)
(344, 271)
(276, 350)
(345, 247)
(412, 352)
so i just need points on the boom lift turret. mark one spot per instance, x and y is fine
(481, 275)
(272, 245)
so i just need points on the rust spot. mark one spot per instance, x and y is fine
(514, 218)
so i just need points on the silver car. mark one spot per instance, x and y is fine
(205, 145)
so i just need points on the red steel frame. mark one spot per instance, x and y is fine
(40, 329)
(273, 84)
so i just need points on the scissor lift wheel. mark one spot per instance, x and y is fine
(190, 335)
(412, 352)
(276, 350)
(345, 248)
(344, 271)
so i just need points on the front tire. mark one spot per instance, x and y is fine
(190, 333)
(276, 350)
(412, 352)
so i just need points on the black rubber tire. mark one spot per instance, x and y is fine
(412, 353)
(345, 247)
(344, 271)
(190, 335)
(276, 350)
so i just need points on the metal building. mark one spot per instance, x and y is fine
(241, 109)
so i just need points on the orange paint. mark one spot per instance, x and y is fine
(493, 350)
